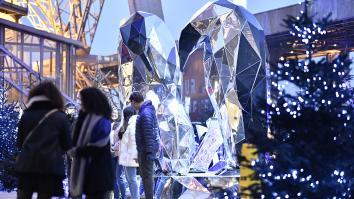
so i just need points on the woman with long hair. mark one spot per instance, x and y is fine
(119, 184)
(91, 168)
(42, 139)
(128, 154)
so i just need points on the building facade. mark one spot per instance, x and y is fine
(340, 33)
(29, 56)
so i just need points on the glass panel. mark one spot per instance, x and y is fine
(28, 53)
(31, 56)
(49, 58)
(30, 39)
(72, 72)
(13, 41)
(50, 44)
(13, 44)
(31, 52)
(63, 72)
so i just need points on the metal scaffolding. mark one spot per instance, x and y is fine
(28, 56)
(74, 19)
(53, 56)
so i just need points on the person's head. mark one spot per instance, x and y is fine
(128, 112)
(94, 101)
(136, 99)
(50, 91)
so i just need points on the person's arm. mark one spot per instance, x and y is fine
(115, 141)
(20, 134)
(89, 151)
(103, 127)
(147, 124)
(65, 138)
(85, 151)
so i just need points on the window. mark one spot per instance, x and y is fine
(194, 106)
(13, 41)
(49, 59)
(186, 87)
(31, 52)
(64, 68)
(52, 59)
(192, 84)
(206, 104)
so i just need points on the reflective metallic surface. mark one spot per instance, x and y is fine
(231, 44)
(149, 63)
(222, 59)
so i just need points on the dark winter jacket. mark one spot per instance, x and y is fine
(44, 150)
(99, 171)
(147, 130)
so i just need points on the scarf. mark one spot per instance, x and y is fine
(37, 98)
(78, 166)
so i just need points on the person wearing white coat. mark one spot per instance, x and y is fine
(119, 184)
(128, 154)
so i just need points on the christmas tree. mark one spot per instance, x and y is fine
(9, 117)
(308, 151)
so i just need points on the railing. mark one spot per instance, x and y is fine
(107, 59)
(92, 75)
(20, 3)
(21, 76)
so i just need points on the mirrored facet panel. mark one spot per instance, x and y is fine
(149, 63)
(224, 47)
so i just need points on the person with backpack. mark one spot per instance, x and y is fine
(147, 140)
(128, 154)
(42, 139)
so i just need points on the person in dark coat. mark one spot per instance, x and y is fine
(42, 145)
(147, 140)
(91, 168)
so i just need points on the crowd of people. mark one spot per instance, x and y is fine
(92, 151)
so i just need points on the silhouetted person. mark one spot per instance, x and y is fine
(119, 184)
(128, 154)
(43, 137)
(147, 140)
(91, 168)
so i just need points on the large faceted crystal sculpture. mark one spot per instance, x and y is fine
(149, 63)
(227, 43)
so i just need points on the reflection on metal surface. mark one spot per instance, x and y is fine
(234, 61)
(150, 64)
(222, 54)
